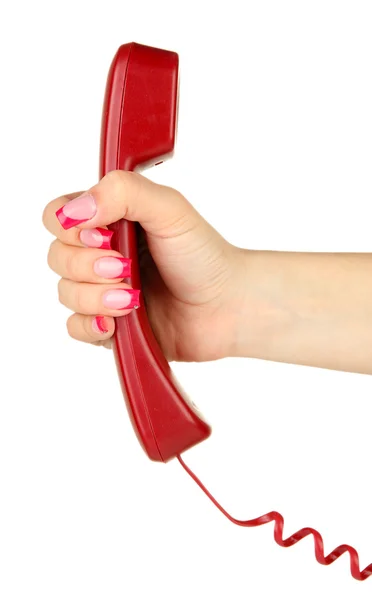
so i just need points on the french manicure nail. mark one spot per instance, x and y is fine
(99, 325)
(121, 299)
(96, 238)
(111, 267)
(77, 211)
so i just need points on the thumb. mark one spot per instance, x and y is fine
(121, 194)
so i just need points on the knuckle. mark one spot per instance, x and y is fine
(123, 188)
(118, 177)
(60, 290)
(50, 254)
(44, 216)
(114, 185)
(70, 326)
(175, 194)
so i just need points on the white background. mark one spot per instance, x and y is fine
(275, 150)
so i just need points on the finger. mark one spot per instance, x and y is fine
(87, 264)
(93, 238)
(98, 299)
(160, 210)
(90, 329)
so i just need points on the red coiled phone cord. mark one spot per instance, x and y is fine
(293, 539)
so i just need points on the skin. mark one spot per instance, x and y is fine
(207, 299)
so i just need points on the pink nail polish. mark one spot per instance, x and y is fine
(111, 267)
(96, 238)
(77, 211)
(121, 299)
(99, 325)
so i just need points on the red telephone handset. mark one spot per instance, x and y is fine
(138, 129)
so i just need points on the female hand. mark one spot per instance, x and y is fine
(190, 274)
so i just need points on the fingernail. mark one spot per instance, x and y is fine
(77, 211)
(99, 325)
(121, 299)
(112, 266)
(96, 238)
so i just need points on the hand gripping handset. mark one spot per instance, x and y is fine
(138, 130)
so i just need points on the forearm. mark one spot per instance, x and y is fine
(306, 308)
